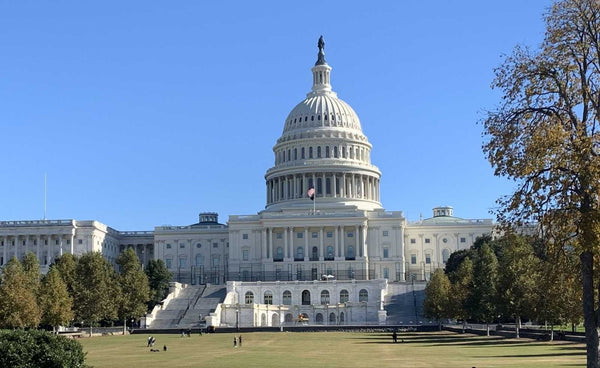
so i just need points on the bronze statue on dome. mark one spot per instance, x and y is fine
(321, 43)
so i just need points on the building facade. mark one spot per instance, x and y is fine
(323, 216)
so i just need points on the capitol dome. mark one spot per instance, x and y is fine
(322, 147)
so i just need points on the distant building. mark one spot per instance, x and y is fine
(343, 231)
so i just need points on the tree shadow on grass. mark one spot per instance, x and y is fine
(535, 355)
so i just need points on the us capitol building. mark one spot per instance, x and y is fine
(343, 233)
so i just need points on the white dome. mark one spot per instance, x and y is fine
(321, 111)
(322, 147)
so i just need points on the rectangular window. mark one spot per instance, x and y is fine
(315, 235)
(386, 273)
(215, 245)
(413, 241)
(168, 246)
(463, 240)
(330, 234)
(24, 242)
(413, 259)
(245, 236)
(45, 242)
(55, 242)
(216, 261)
(181, 245)
(68, 242)
(168, 262)
(350, 234)
(299, 235)
(79, 241)
(428, 258)
(181, 262)
(279, 235)
(386, 233)
(245, 254)
(386, 253)
(427, 240)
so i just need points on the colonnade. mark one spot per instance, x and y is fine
(327, 185)
(45, 246)
(339, 241)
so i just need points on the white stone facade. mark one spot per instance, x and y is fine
(329, 303)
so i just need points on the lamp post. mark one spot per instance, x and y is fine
(237, 317)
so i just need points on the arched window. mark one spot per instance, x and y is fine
(305, 297)
(300, 253)
(344, 296)
(445, 255)
(343, 152)
(279, 254)
(287, 298)
(289, 318)
(324, 297)
(329, 252)
(332, 318)
(327, 151)
(363, 295)
(302, 153)
(315, 254)
(319, 152)
(199, 260)
(268, 298)
(249, 297)
(335, 151)
(310, 155)
(342, 317)
(295, 153)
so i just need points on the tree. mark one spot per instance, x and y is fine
(54, 300)
(31, 269)
(483, 298)
(18, 304)
(96, 289)
(158, 277)
(460, 290)
(437, 294)
(517, 279)
(134, 286)
(544, 136)
(24, 349)
(66, 265)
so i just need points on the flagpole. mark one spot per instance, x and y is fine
(44, 196)
(315, 203)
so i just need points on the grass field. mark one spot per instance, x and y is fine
(331, 349)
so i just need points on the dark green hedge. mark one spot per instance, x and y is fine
(36, 349)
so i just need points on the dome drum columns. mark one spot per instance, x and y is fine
(327, 185)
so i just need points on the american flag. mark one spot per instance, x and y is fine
(311, 193)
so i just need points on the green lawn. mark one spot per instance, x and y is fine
(331, 349)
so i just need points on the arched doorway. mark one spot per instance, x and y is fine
(332, 318)
(263, 319)
(275, 319)
(319, 318)
(342, 318)
(305, 297)
(289, 318)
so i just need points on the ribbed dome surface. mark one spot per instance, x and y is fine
(323, 110)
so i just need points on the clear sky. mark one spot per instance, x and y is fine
(146, 113)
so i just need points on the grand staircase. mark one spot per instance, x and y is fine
(189, 307)
(404, 303)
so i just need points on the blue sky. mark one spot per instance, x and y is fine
(146, 113)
